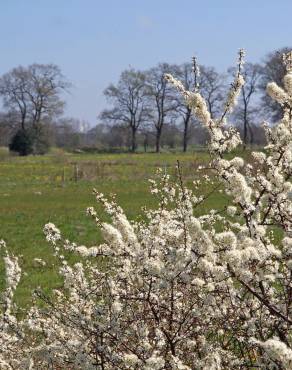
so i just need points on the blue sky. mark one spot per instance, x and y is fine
(94, 40)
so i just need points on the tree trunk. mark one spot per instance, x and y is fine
(157, 142)
(250, 134)
(186, 129)
(133, 139)
(145, 143)
(22, 122)
(185, 139)
(245, 123)
(244, 135)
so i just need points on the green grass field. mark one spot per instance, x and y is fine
(58, 188)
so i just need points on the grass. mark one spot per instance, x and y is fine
(58, 188)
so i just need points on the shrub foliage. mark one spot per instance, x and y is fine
(21, 143)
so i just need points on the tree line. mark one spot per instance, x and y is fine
(144, 110)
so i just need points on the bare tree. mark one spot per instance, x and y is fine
(188, 76)
(246, 110)
(211, 85)
(13, 89)
(129, 103)
(32, 95)
(162, 99)
(45, 83)
(33, 92)
(8, 127)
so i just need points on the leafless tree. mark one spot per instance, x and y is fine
(45, 83)
(8, 127)
(33, 93)
(13, 88)
(162, 99)
(129, 103)
(211, 85)
(245, 111)
(186, 75)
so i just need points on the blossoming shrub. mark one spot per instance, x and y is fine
(178, 292)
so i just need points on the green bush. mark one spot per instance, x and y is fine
(21, 143)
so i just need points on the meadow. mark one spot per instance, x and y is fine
(58, 188)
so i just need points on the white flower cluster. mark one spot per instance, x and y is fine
(52, 233)
(277, 93)
(186, 288)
